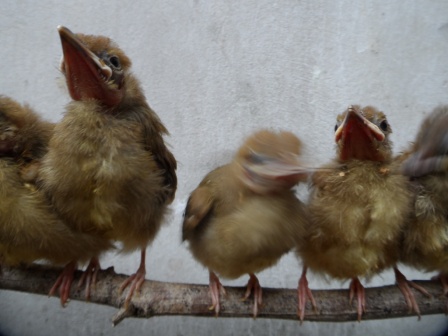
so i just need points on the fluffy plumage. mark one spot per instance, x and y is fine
(108, 171)
(238, 221)
(30, 230)
(358, 210)
(425, 243)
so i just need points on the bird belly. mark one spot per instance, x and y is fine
(108, 188)
(247, 240)
(425, 244)
(356, 222)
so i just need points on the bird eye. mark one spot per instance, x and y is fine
(254, 158)
(384, 125)
(335, 127)
(115, 62)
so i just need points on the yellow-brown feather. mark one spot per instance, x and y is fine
(108, 170)
(233, 230)
(30, 229)
(357, 212)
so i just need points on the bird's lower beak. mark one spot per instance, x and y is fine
(86, 74)
(357, 137)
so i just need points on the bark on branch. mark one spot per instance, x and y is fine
(161, 298)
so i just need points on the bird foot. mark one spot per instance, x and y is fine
(215, 289)
(136, 281)
(64, 282)
(357, 288)
(89, 276)
(443, 278)
(254, 284)
(405, 287)
(304, 293)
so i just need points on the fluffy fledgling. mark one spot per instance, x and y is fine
(244, 216)
(425, 243)
(358, 210)
(30, 230)
(108, 171)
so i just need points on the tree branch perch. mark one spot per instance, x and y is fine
(161, 298)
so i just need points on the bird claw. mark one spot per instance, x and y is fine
(304, 293)
(215, 289)
(254, 284)
(63, 283)
(136, 280)
(89, 276)
(443, 278)
(358, 288)
(404, 286)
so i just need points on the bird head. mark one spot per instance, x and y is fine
(363, 134)
(22, 133)
(430, 149)
(94, 67)
(268, 161)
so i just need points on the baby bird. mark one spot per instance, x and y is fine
(358, 210)
(30, 230)
(242, 218)
(108, 171)
(425, 243)
(24, 136)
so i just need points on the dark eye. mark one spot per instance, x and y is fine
(255, 158)
(384, 125)
(336, 127)
(115, 62)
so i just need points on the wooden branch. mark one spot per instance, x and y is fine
(161, 298)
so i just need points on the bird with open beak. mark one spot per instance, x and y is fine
(357, 211)
(244, 216)
(108, 170)
(425, 243)
(30, 229)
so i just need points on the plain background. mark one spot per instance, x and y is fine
(216, 71)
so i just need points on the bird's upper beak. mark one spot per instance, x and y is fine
(87, 75)
(358, 137)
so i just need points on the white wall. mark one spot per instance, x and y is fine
(215, 72)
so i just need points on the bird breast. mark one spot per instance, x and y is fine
(97, 166)
(357, 214)
(251, 238)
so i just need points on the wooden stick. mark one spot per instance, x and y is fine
(162, 298)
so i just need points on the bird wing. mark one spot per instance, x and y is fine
(198, 207)
(166, 161)
(153, 131)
